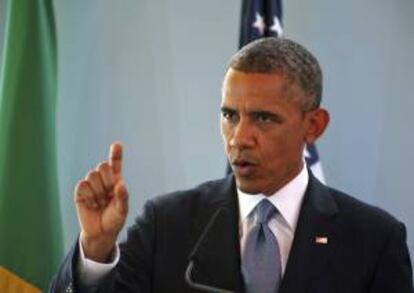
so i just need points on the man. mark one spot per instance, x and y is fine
(269, 227)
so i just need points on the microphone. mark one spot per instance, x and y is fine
(212, 224)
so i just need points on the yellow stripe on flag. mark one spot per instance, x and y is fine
(10, 283)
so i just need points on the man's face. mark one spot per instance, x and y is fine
(264, 131)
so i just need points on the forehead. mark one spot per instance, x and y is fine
(258, 88)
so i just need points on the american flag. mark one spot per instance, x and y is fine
(260, 18)
(263, 18)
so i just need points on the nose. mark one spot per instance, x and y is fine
(243, 135)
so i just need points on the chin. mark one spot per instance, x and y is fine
(248, 187)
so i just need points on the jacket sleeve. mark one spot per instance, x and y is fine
(394, 271)
(133, 273)
(64, 279)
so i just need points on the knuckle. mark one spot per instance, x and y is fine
(80, 188)
(103, 167)
(91, 175)
(94, 180)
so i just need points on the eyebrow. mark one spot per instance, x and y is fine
(227, 109)
(263, 112)
(274, 116)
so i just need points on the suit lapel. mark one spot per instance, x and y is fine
(216, 254)
(314, 241)
(217, 258)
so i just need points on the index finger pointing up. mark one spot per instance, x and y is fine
(115, 157)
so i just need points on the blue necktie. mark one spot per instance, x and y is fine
(261, 255)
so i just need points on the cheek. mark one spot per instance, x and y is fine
(224, 130)
(282, 145)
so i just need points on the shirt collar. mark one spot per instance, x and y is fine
(287, 200)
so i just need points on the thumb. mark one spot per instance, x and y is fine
(121, 198)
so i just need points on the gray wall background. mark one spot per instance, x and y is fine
(149, 73)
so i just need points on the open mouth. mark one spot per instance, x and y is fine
(243, 167)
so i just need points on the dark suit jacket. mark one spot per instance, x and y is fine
(366, 248)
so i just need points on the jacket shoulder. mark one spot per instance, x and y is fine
(362, 213)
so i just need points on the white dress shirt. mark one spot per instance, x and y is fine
(287, 200)
(92, 272)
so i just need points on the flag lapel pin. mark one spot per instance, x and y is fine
(321, 240)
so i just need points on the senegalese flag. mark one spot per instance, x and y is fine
(30, 228)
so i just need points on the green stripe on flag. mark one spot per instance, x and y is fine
(30, 228)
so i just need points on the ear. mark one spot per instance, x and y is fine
(317, 121)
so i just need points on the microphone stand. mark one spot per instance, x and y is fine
(199, 286)
(198, 245)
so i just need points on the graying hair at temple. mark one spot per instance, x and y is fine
(286, 57)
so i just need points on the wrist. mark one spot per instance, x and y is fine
(99, 249)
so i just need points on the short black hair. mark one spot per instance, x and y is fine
(286, 57)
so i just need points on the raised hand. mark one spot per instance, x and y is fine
(102, 204)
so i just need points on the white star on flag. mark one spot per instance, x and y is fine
(276, 27)
(259, 23)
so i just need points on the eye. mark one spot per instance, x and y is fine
(267, 117)
(263, 117)
(229, 115)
